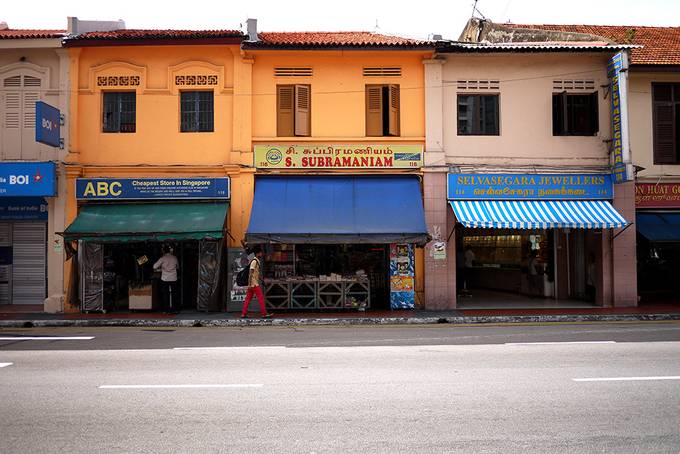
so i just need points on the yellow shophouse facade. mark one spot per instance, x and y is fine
(338, 137)
(160, 154)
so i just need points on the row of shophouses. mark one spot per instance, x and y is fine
(517, 162)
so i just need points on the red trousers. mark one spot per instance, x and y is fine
(257, 291)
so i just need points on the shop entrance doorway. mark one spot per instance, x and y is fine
(520, 268)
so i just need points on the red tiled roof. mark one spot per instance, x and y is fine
(9, 33)
(661, 45)
(332, 39)
(136, 34)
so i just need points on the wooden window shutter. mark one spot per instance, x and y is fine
(12, 108)
(394, 110)
(285, 95)
(302, 110)
(374, 116)
(30, 98)
(664, 134)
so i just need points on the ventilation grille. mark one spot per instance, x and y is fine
(482, 85)
(14, 81)
(292, 72)
(382, 72)
(31, 81)
(561, 85)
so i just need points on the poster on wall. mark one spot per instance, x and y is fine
(402, 277)
(238, 259)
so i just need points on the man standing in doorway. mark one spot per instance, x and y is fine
(254, 287)
(168, 265)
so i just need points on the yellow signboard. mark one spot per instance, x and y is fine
(315, 156)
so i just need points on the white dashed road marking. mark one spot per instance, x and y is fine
(242, 385)
(47, 338)
(669, 377)
(560, 343)
(5, 364)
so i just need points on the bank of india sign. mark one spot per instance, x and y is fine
(317, 156)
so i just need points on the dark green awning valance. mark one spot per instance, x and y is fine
(124, 222)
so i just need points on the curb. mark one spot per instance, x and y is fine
(454, 320)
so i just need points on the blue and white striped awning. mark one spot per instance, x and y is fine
(544, 214)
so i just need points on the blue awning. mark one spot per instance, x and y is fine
(335, 210)
(552, 214)
(658, 227)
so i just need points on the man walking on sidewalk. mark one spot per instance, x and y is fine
(254, 287)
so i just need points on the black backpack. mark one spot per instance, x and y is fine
(242, 276)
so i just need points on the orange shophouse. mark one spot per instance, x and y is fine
(160, 156)
(338, 136)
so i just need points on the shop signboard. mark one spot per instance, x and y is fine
(402, 277)
(47, 124)
(28, 179)
(152, 188)
(661, 195)
(23, 209)
(506, 186)
(338, 156)
(618, 75)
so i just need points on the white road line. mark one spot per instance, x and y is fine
(231, 348)
(669, 377)
(33, 338)
(560, 343)
(5, 364)
(237, 385)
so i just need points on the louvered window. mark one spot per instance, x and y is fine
(666, 123)
(197, 111)
(386, 71)
(293, 72)
(294, 110)
(120, 112)
(383, 110)
(20, 94)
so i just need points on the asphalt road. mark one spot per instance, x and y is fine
(555, 388)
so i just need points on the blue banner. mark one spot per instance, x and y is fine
(23, 209)
(619, 105)
(508, 186)
(152, 188)
(28, 179)
(47, 124)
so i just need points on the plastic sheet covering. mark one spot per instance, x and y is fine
(210, 281)
(237, 259)
(92, 276)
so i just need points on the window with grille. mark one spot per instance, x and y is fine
(478, 115)
(478, 85)
(394, 71)
(293, 110)
(666, 123)
(575, 114)
(120, 112)
(382, 110)
(197, 111)
(293, 72)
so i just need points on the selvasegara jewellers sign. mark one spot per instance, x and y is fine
(338, 156)
(662, 195)
(511, 186)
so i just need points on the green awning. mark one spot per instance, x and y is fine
(143, 222)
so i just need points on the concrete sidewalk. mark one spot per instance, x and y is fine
(14, 319)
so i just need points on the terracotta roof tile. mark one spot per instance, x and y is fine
(9, 33)
(661, 45)
(333, 39)
(138, 34)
